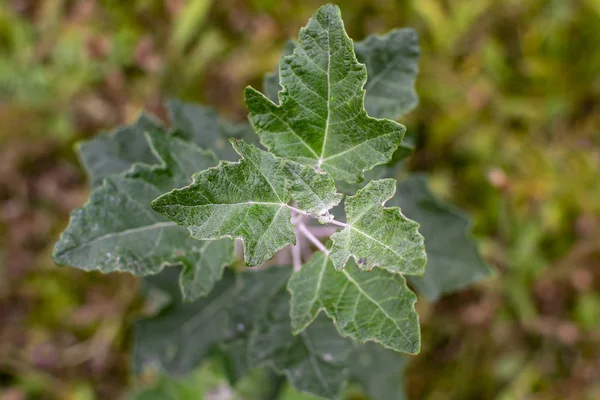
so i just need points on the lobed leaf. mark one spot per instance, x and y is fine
(453, 260)
(116, 230)
(321, 120)
(115, 152)
(377, 236)
(255, 288)
(314, 361)
(366, 306)
(247, 200)
(183, 333)
(392, 62)
(203, 126)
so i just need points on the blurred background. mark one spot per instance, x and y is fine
(508, 128)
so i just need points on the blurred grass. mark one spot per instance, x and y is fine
(508, 128)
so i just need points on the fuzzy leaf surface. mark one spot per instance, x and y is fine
(314, 361)
(246, 200)
(366, 306)
(377, 236)
(314, 191)
(116, 230)
(453, 260)
(321, 120)
(392, 62)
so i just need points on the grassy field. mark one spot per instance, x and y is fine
(508, 129)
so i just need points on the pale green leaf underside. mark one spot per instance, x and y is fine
(203, 126)
(392, 62)
(116, 151)
(183, 333)
(366, 306)
(379, 371)
(116, 230)
(255, 289)
(453, 260)
(248, 200)
(377, 236)
(321, 120)
(314, 361)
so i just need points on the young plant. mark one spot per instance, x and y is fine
(337, 276)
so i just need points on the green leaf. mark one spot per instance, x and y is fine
(314, 191)
(115, 152)
(322, 121)
(379, 371)
(116, 230)
(271, 85)
(314, 361)
(203, 126)
(366, 306)
(194, 386)
(392, 62)
(203, 267)
(453, 260)
(183, 333)
(245, 200)
(255, 287)
(248, 200)
(377, 236)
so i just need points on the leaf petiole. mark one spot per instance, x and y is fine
(308, 234)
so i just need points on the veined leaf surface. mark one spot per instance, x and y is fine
(377, 236)
(453, 260)
(366, 306)
(183, 334)
(392, 62)
(321, 120)
(116, 230)
(315, 360)
(203, 126)
(247, 200)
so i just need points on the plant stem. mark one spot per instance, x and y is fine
(307, 233)
(297, 255)
(338, 223)
(322, 231)
(304, 213)
(297, 210)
